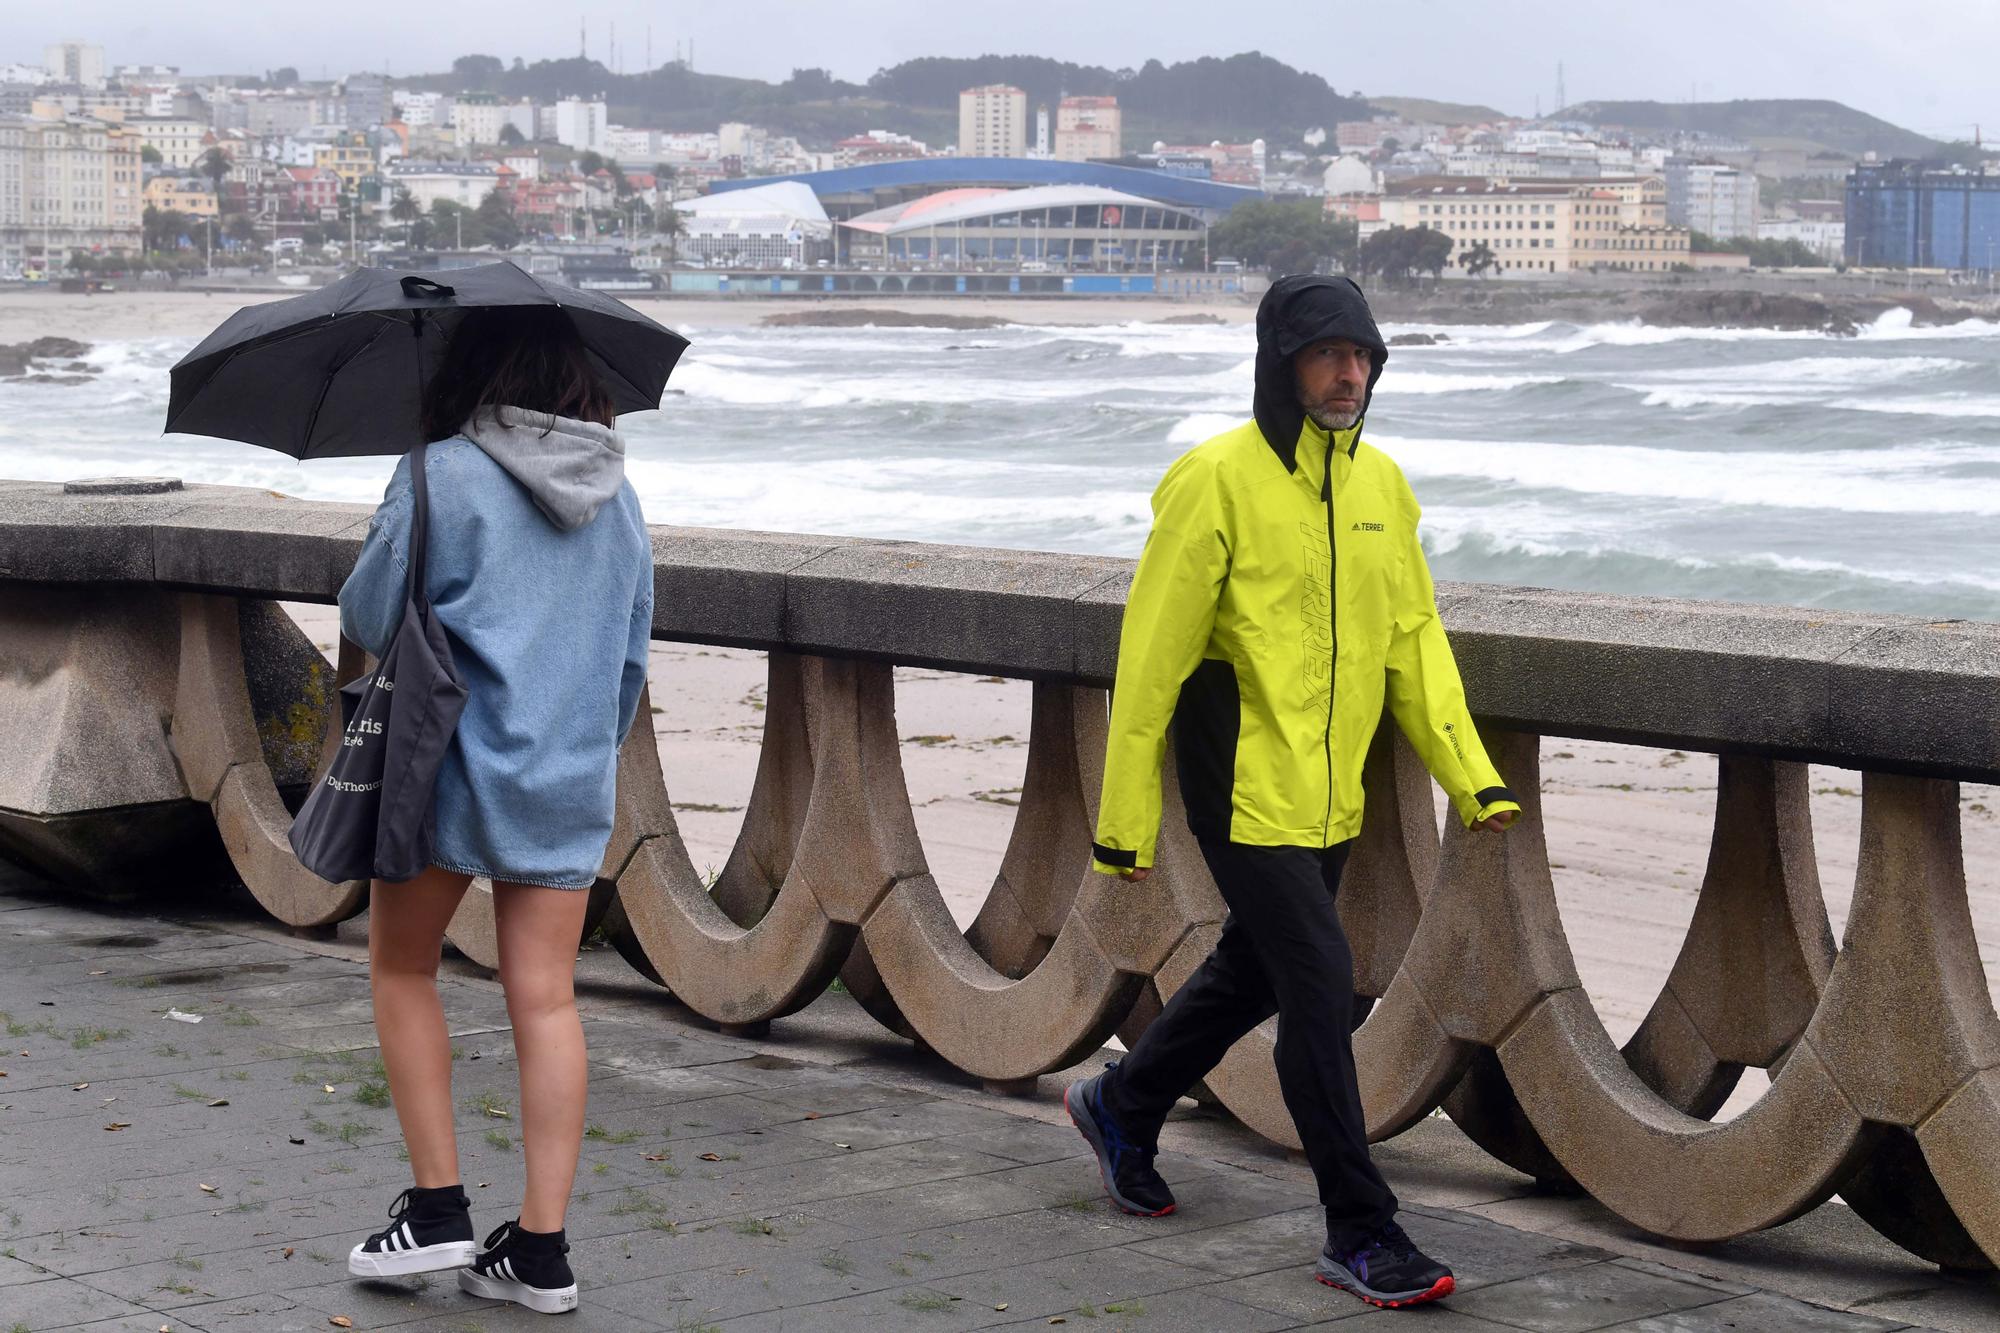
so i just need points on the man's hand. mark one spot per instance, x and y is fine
(1497, 823)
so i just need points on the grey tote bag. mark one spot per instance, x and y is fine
(370, 814)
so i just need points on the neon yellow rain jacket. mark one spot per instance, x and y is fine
(1270, 647)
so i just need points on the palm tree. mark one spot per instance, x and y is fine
(216, 164)
(403, 208)
(669, 223)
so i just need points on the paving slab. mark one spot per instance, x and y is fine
(825, 1178)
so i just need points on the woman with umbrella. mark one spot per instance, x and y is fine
(538, 570)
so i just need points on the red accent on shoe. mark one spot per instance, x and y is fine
(1442, 1288)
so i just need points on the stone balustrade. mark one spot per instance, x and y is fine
(151, 695)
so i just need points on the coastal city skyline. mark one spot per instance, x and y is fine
(1841, 50)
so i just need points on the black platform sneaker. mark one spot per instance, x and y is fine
(525, 1267)
(428, 1231)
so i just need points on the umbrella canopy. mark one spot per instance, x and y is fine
(341, 371)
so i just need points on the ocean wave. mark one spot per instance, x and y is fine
(1938, 405)
(1425, 382)
(1844, 480)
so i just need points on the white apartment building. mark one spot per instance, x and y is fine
(177, 139)
(993, 122)
(575, 123)
(80, 63)
(1088, 127)
(67, 184)
(1825, 237)
(418, 109)
(464, 183)
(1711, 197)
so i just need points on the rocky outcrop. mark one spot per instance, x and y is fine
(24, 359)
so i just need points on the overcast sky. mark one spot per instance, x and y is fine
(1924, 64)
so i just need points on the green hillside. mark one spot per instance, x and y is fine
(1425, 111)
(1817, 121)
(1234, 98)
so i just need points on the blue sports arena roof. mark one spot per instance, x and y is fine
(945, 172)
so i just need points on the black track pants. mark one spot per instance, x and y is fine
(1282, 951)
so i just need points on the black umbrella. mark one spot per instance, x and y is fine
(340, 372)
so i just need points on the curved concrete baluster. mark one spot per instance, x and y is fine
(215, 737)
(1506, 980)
(1048, 849)
(1745, 984)
(1047, 852)
(741, 974)
(1918, 1044)
(1758, 950)
(1111, 938)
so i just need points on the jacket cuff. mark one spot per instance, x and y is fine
(1493, 801)
(1112, 856)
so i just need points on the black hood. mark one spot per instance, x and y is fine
(1298, 311)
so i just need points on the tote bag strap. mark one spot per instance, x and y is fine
(420, 530)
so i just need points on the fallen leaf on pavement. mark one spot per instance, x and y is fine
(654, 1156)
(499, 1114)
(295, 1139)
(288, 1251)
(843, 1145)
(208, 1189)
(119, 1124)
(220, 1101)
(1001, 1306)
(340, 1321)
(812, 1115)
(326, 1087)
(711, 1157)
(79, 1087)
(484, 1183)
(98, 972)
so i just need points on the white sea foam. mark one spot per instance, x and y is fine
(1849, 480)
(1425, 381)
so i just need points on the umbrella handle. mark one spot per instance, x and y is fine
(415, 285)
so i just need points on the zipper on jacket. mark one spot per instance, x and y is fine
(1332, 630)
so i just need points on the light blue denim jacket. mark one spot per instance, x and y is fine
(549, 631)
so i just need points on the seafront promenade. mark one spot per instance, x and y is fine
(208, 1177)
(155, 697)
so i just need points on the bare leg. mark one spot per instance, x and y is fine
(406, 924)
(539, 930)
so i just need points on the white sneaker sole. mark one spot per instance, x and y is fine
(401, 1263)
(542, 1300)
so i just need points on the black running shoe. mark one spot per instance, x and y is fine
(525, 1267)
(1129, 1178)
(1387, 1270)
(428, 1232)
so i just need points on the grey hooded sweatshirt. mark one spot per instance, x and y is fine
(568, 467)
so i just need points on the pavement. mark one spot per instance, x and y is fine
(158, 1174)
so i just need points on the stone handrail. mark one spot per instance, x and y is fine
(144, 675)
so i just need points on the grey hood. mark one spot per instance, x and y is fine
(569, 467)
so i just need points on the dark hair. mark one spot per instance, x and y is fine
(514, 356)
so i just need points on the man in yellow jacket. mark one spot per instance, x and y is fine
(1281, 599)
